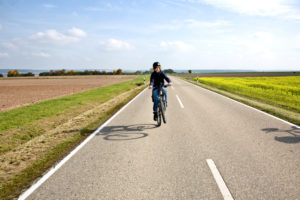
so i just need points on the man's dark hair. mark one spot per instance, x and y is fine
(156, 64)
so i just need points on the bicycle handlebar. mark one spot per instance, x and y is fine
(165, 86)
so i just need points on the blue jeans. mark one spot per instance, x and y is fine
(156, 99)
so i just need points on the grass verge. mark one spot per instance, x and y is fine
(286, 114)
(13, 186)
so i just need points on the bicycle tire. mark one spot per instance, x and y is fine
(158, 115)
(163, 109)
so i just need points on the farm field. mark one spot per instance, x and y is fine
(16, 92)
(240, 74)
(281, 91)
(279, 96)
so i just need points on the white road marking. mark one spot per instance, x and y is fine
(289, 123)
(181, 105)
(221, 184)
(56, 167)
(172, 88)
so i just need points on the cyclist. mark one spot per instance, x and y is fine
(156, 80)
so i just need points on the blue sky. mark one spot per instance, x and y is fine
(180, 34)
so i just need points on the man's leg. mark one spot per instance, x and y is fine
(156, 99)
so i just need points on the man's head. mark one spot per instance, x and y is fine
(156, 67)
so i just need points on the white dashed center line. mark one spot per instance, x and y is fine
(181, 105)
(221, 184)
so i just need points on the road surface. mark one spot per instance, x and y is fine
(257, 156)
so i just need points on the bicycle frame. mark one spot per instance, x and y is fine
(161, 107)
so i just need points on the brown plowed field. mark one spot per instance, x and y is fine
(16, 92)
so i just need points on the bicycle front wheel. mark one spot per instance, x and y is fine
(158, 115)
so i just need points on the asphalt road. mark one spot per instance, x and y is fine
(257, 156)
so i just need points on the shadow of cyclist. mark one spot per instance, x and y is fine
(292, 139)
(130, 132)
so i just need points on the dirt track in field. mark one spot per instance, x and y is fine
(16, 92)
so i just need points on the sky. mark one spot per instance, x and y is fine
(261, 35)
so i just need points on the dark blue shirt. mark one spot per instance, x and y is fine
(157, 79)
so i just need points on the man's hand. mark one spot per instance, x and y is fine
(150, 86)
(169, 84)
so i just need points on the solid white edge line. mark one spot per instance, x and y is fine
(30, 190)
(181, 105)
(218, 178)
(282, 120)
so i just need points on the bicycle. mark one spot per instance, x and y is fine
(161, 106)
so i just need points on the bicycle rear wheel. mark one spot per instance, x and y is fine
(163, 113)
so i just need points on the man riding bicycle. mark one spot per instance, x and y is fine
(156, 80)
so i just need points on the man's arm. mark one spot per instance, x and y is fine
(167, 78)
(151, 81)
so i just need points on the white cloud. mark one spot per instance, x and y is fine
(49, 36)
(114, 44)
(41, 54)
(258, 7)
(4, 54)
(191, 23)
(258, 45)
(196, 23)
(175, 45)
(9, 45)
(49, 6)
(76, 32)
(94, 9)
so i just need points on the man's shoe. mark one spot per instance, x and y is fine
(155, 116)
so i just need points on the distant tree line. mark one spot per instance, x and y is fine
(64, 72)
(16, 73)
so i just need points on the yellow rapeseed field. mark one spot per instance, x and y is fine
(280, 91)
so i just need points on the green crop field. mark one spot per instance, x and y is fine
(283, 92)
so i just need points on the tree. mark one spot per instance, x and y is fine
(190, 71)
(119, 71)
(114, 72)
(13, 73)
(169, 71)
(138, 72)
(72, 72)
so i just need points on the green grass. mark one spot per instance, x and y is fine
(23, 180)
(280, 91)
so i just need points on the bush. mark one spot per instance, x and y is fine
(119, 71)
(12, 73)
(1, 75)
(27, 74)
